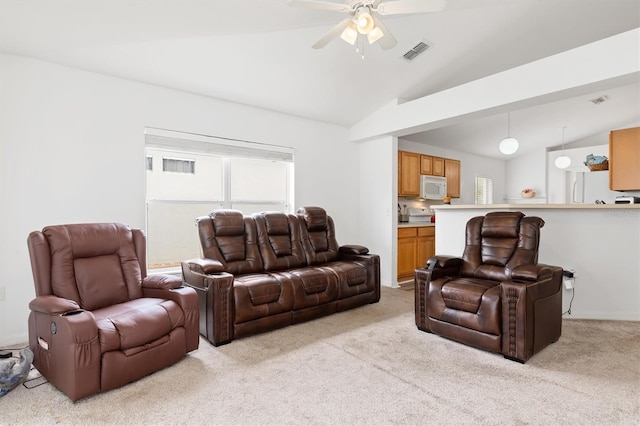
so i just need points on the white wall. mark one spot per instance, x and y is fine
(377, 213)
(72, 150)
(525, 171)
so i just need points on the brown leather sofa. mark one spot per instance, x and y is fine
(272, 269)
(98, 321)
(496, 297)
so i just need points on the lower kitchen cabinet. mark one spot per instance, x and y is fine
(415, 246)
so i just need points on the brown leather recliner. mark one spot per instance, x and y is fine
(496, 297)
(98, 321)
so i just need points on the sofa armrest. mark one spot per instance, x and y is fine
(216, 301)
(353, 249)
(204, 266)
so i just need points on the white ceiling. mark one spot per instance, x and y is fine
(258, 52)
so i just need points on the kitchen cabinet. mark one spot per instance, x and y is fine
(415, 246)
(412, 165)
(408, 174)
(452, 173)
(426, 165)
(624, 158)
(437, 166)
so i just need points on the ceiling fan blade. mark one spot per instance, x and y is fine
(387, 41)
(333, 33)
(398, 7)
(322, 5)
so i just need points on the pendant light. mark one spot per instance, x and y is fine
(508, 145)
(563, 161)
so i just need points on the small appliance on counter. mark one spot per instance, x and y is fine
(623, 199)
(417, 215)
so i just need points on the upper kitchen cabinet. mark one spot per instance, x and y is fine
(431, 166)
(438, 166)
(452, 173)
(426, 165)
(408, 174)
(624, 159)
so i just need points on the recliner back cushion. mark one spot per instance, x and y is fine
(230, 238)
(279, 241)
(318, 235)
(94, 264)
(499, 237)
(498, 242)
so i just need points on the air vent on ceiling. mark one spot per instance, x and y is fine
(411, 54)
(598, 101)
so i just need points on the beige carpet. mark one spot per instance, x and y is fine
(368, 366)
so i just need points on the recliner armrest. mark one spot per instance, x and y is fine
(53, 305)
(162, 281)
(531, 272)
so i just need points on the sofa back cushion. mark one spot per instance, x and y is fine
(279, 241)
(318, 235)
(498, 242)
(94, 264)
(230, 238)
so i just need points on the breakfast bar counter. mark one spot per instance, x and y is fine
(600, 242)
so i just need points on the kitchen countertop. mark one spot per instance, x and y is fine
(535, 206)
(414, 224)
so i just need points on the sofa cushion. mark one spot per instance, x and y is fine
(279, 241)
(230, 238)
(318, 235)
(311, 286)
(261, 295)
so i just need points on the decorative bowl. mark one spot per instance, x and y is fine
(528, 193)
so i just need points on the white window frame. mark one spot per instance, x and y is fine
(483, 190)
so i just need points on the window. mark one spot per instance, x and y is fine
(149, 163)
(178, 165)
(483, 190)
(231, 174)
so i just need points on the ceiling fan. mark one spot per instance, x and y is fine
(362, 21)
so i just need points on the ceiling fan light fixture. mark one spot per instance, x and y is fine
(364, 21)
(375, 34)
(350, 33)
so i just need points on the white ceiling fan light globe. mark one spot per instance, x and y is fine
(509, 146)
(364, 20)
(563, 162)
(350, 33)
(375, 34)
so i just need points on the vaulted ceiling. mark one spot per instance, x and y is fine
(258, 52)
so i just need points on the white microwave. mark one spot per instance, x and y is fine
(433, 187)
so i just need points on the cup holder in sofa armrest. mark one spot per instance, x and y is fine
(354, 249)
